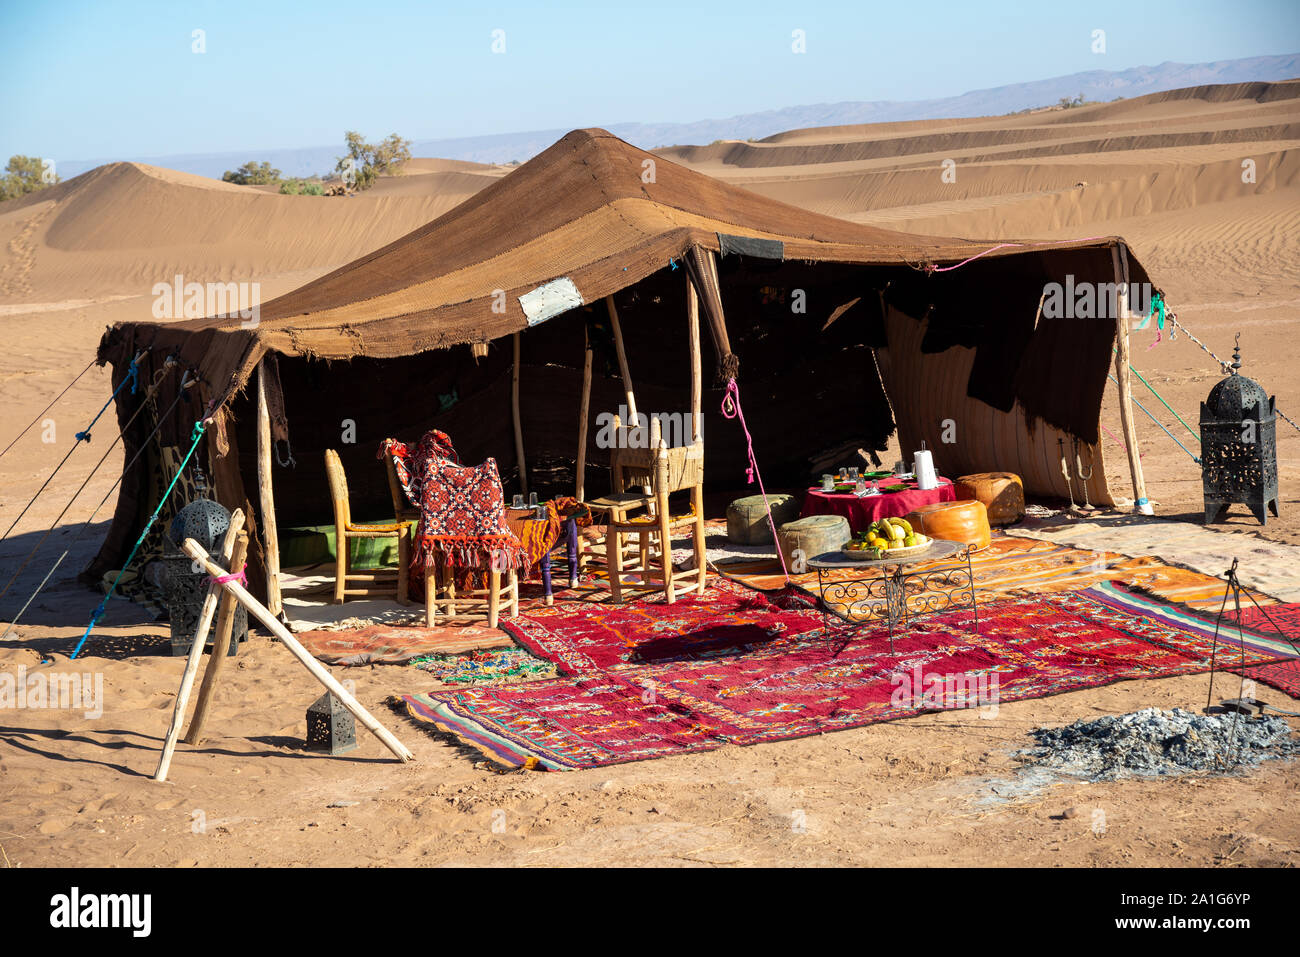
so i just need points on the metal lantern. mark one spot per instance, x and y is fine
(1238, 446)
(330, 725)
(184, 588)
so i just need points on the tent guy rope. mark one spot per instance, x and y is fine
(133, 377)
(48, 407)
(121, 432)
(1193, 456)
(98, 613)
(76, 537)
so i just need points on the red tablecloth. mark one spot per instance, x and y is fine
(861, 512)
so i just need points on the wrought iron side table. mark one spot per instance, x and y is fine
(874, 597)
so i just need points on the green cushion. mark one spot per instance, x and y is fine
(313, 544)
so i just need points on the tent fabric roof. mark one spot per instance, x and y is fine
(591, 208)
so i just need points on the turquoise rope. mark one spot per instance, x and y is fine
(1159, 423)
(98, 613)
(1160, 397)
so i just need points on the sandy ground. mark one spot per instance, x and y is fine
(928, 790)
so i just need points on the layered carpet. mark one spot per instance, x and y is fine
(699, 692)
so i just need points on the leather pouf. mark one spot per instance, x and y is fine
(954, 522)
(813, 535)
(1002, 493)
(747, 518)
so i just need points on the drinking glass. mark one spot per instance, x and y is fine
(532, 499)
(517, 502)
(828, 482)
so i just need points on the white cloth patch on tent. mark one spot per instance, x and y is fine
(550, 299)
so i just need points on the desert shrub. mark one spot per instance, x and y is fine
(366, 162)
(301, 187)
(23, 175)
(253, 174)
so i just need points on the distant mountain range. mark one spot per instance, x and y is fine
(1094, 85)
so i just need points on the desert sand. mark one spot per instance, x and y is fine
(1164, 171)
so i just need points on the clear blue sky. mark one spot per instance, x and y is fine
(106, 79)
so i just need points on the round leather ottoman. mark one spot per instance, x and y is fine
(1002, 493)
(812, 535)
(747, 518)
(954, 522)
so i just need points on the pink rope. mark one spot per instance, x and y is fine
(731, 410)
(238, 576)
(1118, 442)
(930, 267)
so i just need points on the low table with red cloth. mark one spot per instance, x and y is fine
(862, 510)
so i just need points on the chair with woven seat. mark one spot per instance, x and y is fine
(663, 471)
(346, 531)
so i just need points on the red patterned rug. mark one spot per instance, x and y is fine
(613, 709)
(728, 619)
(1283, 675)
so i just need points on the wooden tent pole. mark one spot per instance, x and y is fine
(697, 372)
(633, 422)
(1119, 257)
(584, 410)
(266, 497)
(263, 614)
(220, 646)
(622, 363)
(196, 649)
(519, 428)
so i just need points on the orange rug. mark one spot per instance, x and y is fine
(1013, 566)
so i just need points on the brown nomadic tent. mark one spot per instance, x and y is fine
(836, 332)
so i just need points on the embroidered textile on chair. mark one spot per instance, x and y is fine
(462, 508)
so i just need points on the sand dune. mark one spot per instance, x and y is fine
(120, 228)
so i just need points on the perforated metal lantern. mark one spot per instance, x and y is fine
(184, 588)
(330, 725)
(1238, 446)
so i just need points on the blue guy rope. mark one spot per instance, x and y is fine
(133, 376)
(1194, 457)
(98, 613)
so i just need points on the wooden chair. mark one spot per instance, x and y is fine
(403, 510)
(662, 470)
(346, 530)
(440, 596)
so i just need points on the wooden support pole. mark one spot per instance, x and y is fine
(266, 497)
(196, 649)
(584, 410)
(697, 371)
(622, 363)
(633, 422)
(220, 646)
(519, 428)
(263, 614)
(1119, 257)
